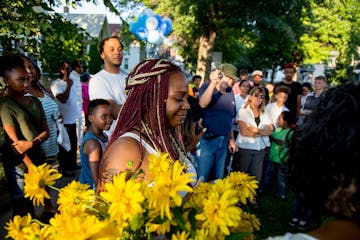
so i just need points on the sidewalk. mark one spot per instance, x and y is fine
(6, 206)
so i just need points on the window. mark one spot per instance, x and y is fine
(126, 63)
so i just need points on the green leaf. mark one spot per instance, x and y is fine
(237, 236)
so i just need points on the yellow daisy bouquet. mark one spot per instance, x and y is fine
(165, 207)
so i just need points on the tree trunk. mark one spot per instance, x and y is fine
(205, 55)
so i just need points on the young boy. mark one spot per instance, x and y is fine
(278, 151)
(94, 140)
(275, 108)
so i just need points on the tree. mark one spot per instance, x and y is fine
(32, 27)
(64, 41)
(266, 32)
(333, 31)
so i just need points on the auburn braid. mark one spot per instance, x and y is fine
(145, 108)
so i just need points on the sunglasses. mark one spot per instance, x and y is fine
(259, 95)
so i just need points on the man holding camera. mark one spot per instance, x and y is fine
(217, 101)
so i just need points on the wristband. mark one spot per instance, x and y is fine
(38, 139)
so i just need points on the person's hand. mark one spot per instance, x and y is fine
(22, 146)
(233, 148)
(70, 82)
(193, 138)
(214, 77)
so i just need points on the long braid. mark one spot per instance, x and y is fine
(147, 88)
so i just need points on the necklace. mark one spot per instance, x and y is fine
(181, 152)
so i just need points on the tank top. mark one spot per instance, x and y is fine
(151, 150)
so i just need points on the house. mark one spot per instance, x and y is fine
(97, 26)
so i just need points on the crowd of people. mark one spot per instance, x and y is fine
(213, 126)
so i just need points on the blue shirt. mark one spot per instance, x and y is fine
(218, 115)
(85, 175)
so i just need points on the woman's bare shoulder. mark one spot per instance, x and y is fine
(123, 155)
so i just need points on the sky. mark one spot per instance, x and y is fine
(89, 7)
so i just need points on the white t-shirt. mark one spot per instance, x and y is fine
(68, 108)
(274, 112)
(239, 103)
(293, 236)
(105, 85)
(75, 76)
(253, 143)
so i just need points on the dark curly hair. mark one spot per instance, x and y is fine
(324, 155)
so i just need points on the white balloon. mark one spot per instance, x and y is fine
(151, 23)
(155, 37)
(149, 12)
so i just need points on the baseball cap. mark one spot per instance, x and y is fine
(229, 70)
(290, 65)
(257, 72)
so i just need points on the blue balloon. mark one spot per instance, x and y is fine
(142, 20)
(166, 26)
(159, 19)
(154, 36)
(141, 33)
(133, 27)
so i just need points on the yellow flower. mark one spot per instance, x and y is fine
(248, 223)
(159, 163)
(19, 227)
(167, 188)
(180, 236)
(244, 184)
(196, 198)
(81, 226)
(125, 197)
(36, 180)
(75, 198)
(220, 212)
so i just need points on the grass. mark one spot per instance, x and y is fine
(275, 214)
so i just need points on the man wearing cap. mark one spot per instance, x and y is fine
(217, 101)
(294, 98)
(257, 78)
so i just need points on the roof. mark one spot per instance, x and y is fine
(92, 23)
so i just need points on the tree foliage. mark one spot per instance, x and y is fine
(32, 27)
(250, 33)
(333, 33)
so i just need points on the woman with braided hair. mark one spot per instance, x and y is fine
(149, 120)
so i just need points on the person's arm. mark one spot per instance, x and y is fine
(93, 150)
(122, 155)
(23, 145)
(232, 146)
(248, 131)
(276, 140)
(11, 132)
(205, 98)
(63, 97)
(266, 131)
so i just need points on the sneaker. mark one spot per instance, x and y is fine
(282, 197)
(293, 222)
(302, 225)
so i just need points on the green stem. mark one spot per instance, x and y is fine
(40, 223)
(54, 188)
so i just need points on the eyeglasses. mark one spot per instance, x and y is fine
(259, 95)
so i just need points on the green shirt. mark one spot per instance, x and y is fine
(27, 119)
(277, 152)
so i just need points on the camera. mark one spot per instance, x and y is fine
(220, 75)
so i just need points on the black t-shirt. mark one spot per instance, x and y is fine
(296, 90)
